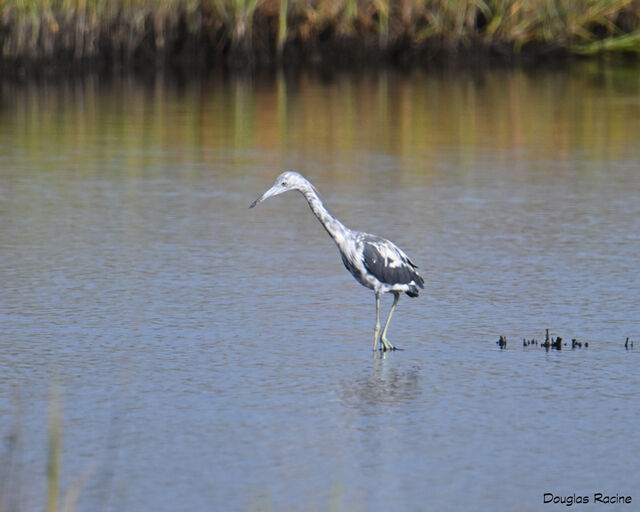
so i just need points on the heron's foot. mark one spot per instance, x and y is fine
(385, 345)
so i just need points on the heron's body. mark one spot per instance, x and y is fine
(374, 262)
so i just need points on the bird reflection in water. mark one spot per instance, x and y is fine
(382, 384)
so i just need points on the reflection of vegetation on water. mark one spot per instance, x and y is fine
(509, 114)
(122, 31)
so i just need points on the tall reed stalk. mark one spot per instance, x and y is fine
(54, 460)
(383, 7)
(282, 26)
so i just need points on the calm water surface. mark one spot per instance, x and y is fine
(212, 357)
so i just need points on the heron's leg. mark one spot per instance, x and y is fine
(376, 330)
(386, 345)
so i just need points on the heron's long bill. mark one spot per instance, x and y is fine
(273, 191)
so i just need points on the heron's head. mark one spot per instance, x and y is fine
(286, 181)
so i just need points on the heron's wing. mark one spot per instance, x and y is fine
(388, 263)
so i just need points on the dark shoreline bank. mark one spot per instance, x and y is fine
(327, 60)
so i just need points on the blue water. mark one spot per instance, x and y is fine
(210, 357)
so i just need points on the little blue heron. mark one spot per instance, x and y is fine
(375, 262)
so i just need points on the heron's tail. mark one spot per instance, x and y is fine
(413, 290)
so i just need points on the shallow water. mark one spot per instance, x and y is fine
(212, 357)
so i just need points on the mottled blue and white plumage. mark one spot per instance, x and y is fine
(375, 262)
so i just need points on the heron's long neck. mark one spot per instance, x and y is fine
(334, 227)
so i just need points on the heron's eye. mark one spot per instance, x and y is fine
(284, 183)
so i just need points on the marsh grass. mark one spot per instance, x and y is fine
(267, 31)
(12, 480)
